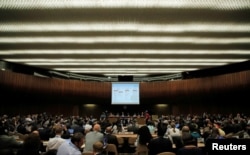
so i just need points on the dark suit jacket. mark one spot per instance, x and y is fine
(189, 151)
(160, 144)
(111, 139)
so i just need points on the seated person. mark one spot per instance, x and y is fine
(109, 138)
(160, 144)
(190, 146)
(98, 148)
(8, 144)
(57, 140)
(31, 145)
(92, 137)
(73, 146)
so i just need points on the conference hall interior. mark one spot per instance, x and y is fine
(124, 62)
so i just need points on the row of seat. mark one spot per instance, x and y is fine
(111, 148)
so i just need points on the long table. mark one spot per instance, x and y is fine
(140, 120)
(124, 135)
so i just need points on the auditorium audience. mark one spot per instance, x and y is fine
(212, 125)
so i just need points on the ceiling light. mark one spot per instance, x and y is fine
(65, 4)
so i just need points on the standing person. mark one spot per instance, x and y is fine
(147, 116)
(72, 147)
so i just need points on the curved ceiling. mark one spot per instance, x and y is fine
(152, 39)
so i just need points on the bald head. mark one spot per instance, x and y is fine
(97, 127)
(185, 128)
(35, 132)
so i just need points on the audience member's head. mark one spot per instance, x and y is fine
(188, 139)
(36, 132)
(161, 131)
(144, 135)
(98, 147)
(78, 139)
(185, 128)
(87, 128)
(32, 141)
(97, 127)
(31, 145)
(109, 130)
(58, 129)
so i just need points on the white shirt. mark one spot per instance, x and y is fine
(68, 148)
(54, 143)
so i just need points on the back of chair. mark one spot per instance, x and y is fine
(141, 150)
(120, 142)
(87, 153)
(166, 153)
(177, 140)
(190, 150)
(131, 141)
(111, 148)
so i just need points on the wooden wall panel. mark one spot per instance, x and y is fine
(64, 96)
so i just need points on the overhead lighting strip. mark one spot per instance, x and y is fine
(123, 39)
(123, 26)
(125, 64)
(122, 71)
(118, 60)
(137, 74)
(125, 69)
(125, 51)
(65, 4)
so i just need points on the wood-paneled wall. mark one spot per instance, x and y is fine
(59, 96)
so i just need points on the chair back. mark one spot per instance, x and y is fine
(120, 142)
(111, 148)
(190, 150)
(177, 140)
(131, 141)
(87, 153)
(166, 153)
(141, 150)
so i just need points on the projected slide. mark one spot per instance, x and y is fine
(125, 93)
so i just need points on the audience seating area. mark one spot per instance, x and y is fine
(203, 124)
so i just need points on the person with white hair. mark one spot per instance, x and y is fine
(87, 128)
